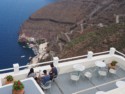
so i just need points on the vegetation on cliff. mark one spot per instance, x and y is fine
(100, 39)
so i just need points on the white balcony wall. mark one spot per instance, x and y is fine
(121, 61)
(66, 67)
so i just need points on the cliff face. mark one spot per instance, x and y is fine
(62, 22)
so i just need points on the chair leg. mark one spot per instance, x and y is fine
(76, 85)
(49, 90)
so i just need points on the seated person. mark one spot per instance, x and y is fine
(53, 72)
(37, 80)
(45, 78)
(31, 73)
(112, 65)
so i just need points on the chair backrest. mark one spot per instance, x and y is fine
(112, 71)
(102, 73)
(75, 76)
(48, 84)
(88, 74)
(45, 79)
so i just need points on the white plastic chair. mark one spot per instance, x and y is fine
(74, 76)
(112, 71)
(88, 74)
(102, 73)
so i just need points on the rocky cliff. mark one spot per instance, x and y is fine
(74, 26)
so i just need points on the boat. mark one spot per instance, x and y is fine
(77, 75)
(22, 56)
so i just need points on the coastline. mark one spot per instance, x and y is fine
(40, 51)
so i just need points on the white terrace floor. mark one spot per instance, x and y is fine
(64, 85)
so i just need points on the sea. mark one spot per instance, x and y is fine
(13, 14)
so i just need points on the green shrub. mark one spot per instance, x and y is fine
(114, 63)
(9, 78)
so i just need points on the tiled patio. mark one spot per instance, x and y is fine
(64, 85)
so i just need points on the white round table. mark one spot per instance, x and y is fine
(100, 64)
(120, 83)
(100, 92)
(79, 67)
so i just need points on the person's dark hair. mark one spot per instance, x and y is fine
(45, 71)
(51, 65)
(31, 71)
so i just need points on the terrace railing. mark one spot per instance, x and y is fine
(119, 53)
(56, 60)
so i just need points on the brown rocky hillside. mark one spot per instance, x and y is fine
(99, 40)
(72, 27)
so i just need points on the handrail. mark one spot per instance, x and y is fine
(101, 53)
(82, 56)
(25, 66)
(7, 69)
(38, 64)
(120, 53)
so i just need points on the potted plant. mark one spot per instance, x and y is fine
(9, 79)
(113, 63)
(18, 87)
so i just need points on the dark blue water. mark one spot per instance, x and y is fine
(12, 14)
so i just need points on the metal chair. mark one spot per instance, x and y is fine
(102, 73)
(112, 71)
(88, 74)
(75, 76)
(47, 85)
(54, 78)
